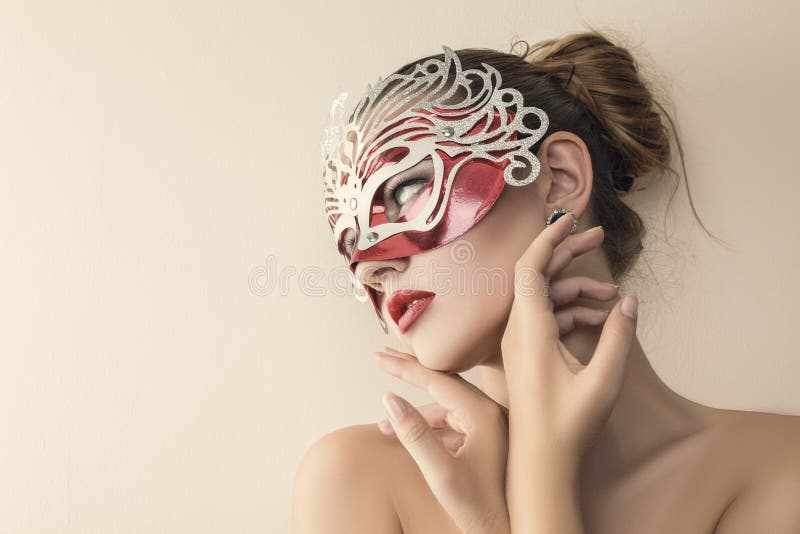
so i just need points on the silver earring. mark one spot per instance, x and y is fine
(558, 212)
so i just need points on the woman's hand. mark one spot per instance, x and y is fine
(443, 432)
(562, 292)
(564, 401)
(555, 409)
(469, 483)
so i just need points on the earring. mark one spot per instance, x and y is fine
(558, 212)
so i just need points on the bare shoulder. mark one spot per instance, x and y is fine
(342, 484)
(765, 440)
(768, 449)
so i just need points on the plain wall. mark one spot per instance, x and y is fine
(156, 157)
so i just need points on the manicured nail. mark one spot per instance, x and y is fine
(630, 306)
(599, 226)
(394, 405)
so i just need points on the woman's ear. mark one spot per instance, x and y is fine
(565, 158)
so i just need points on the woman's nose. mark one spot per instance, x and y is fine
(380, 274)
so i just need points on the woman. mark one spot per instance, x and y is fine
(476, 198)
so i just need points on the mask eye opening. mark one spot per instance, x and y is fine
(347, 243)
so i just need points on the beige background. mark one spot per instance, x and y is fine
(155, 156)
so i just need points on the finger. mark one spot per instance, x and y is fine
(569, 289)
(570, 318)
(606, 369)
(407, 356)
(451, 439)
(540, 251)
(573, 364)
(572, 247)
(531, 289)
(386, 427)
(418, 438)
(395, 352)
(433, 412)
(456, 395)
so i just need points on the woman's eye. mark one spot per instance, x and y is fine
(401, 193)
(347, 242)
(406, 191)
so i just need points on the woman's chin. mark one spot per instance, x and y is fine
(445, 348)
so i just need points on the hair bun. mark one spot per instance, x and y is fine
(605, 78)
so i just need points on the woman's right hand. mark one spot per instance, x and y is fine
(469, 483)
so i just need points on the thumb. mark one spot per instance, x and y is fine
(419, 439)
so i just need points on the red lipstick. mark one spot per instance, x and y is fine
(406, 306)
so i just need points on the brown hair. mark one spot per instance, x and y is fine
(592, 87)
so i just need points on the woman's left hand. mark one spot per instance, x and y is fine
(556, 404)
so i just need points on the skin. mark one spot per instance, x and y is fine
(470, 484)
(652, 453)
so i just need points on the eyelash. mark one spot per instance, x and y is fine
(392, 188)
(347, 245)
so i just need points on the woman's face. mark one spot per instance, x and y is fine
(472, 278)
(433, 191)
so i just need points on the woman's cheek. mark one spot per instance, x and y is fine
(463, 331)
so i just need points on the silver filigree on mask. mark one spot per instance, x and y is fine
(379, 123)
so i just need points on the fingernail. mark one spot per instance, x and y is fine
(630, 306)
(394, 405)
(599, 226)
(611, 285)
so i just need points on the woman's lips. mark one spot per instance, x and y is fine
(404, 310)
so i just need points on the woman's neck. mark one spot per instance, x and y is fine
(647, 416)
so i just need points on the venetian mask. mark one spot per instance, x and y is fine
(422, 158)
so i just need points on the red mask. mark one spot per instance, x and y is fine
(415, 167)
